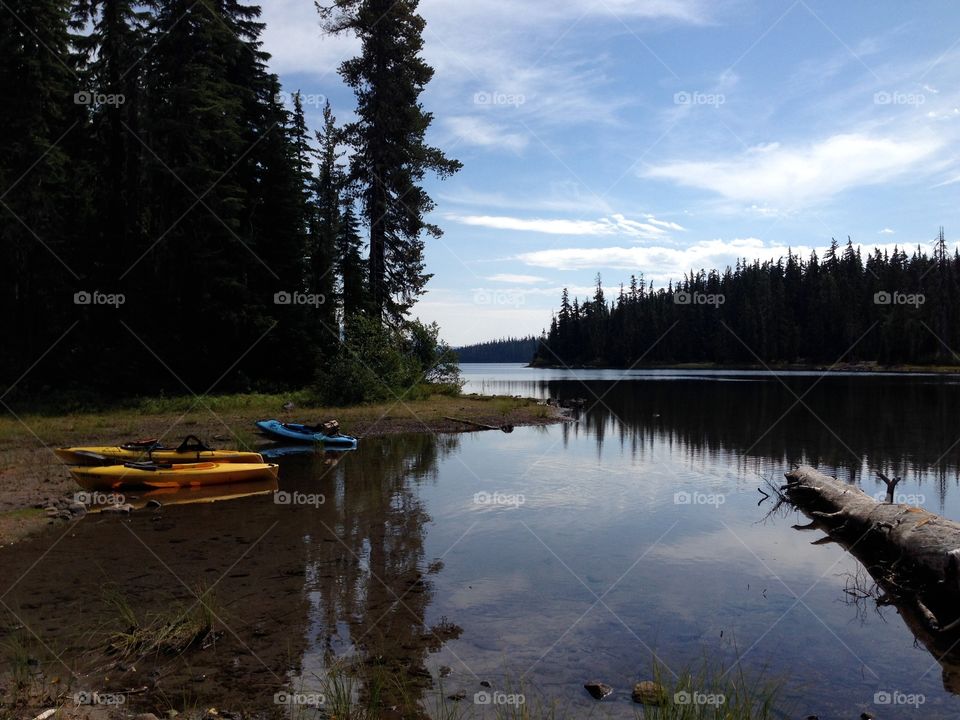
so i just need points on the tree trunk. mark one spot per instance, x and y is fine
(924, 543)
(911, 553)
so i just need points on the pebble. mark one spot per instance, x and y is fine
(459, 695)
(445, 671)
(119, 509)
(648, 692)
(598, 690)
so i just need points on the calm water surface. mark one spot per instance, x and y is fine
(546, 557)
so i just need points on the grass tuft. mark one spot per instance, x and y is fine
(173, 631)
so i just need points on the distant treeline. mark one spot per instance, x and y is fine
(503, 350)
(891, 307)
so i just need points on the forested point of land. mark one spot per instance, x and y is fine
(889, 308)
(499, 351)
(169, 223)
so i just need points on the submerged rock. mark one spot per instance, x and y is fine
(648, 692)
(118, 509)
(598, 690)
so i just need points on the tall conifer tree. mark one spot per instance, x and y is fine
(391, 157)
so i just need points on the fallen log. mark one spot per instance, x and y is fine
(913, 555)
(919, 541)
(483, 426)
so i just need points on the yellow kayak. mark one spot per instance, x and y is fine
(152, 450)
(184, 475)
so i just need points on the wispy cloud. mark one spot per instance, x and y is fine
(617, 224)
(483, 133)
(558, 196)
(516, 279)
(887, 231)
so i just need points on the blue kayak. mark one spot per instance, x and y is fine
(305, 434)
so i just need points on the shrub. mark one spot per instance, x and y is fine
(377, 363)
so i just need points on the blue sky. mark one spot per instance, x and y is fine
(660, 136)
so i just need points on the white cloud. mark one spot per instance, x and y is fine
(616, 224)
(516, 279)
(693, 12)
(560, 196)
(664, 223)
(949, 181)
(887, 231)
(798, 176)
(661, 264)
(481, 132)
(498, 46)
(522, 295)
(296, 41)
(946, 114)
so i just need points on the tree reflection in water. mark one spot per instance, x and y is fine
(368, 577)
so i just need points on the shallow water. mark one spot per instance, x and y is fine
(536, 560)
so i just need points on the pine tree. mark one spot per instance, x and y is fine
(328, 187)
(227, 220)
(111, 54)
(38, 124)
(353, 271)
(783, 310)
(391, 157)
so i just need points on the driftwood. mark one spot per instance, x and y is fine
(483, 426)
(913, 555)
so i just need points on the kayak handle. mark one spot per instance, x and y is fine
(197, 445)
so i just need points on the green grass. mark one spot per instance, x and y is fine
(16, 657)
(506, 405)
(221, 404)
(22, 680)
(23, 514)
(175, 630)
(356, 691)
(695, 694)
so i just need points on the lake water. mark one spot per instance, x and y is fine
(536, 560)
